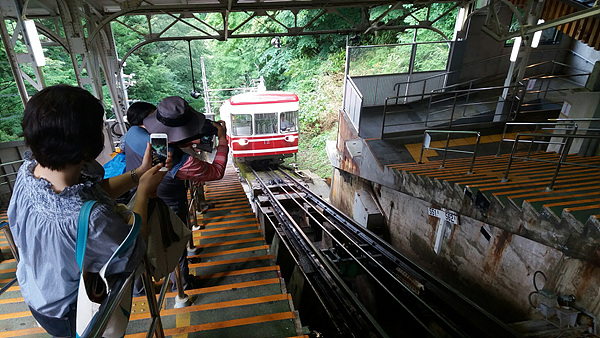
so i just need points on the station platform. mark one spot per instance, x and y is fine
(241, 293)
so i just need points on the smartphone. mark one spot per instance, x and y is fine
(160, 147)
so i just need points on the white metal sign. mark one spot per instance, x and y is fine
(446, 219)
(566, 108)
(444, 215)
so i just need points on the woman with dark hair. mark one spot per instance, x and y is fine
(138, 111)
(183, 125)
(63, 126)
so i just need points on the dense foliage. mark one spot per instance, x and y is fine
(311, 66)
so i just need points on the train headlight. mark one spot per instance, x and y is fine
(290, 138)
(243, 142)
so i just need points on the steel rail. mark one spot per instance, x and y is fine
(368, 255)
(356, 321)
(453, 302)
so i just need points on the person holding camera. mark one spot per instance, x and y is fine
(62, 125)
(184, 127)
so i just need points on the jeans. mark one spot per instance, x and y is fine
(58, 327)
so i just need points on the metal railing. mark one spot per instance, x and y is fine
(567, 140)
(398, 85)
(452, 110)
(454, 97)
(13, 249)
(6, 178)
(581, 119)
(554, 64)
(427, 142)
(353, 102)
(538, 126)
(547, 81)
(120, 286)
(445, 75)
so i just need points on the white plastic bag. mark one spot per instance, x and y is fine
(96, 285)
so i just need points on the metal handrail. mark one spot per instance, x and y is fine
(120, 286)
(398, 85)
(581, 119)
(12, 162)
(99, 322)
(448, 73)
(453, 95)
(545, 77)
(566, 144)
(453, 108)
(468, 92)
(554, 63)
(355, 87)
(536, 125)
(13, 249)
(427, 141)
(548, 80)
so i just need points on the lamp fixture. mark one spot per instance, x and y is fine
(34, 42)
(276, 42)
(460, 22)
(515, 50)
(537, 36)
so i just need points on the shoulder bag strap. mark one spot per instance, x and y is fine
(82, 230)
(129, 240)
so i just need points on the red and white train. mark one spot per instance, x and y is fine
(262, 126)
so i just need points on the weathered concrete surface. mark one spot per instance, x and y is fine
(497, 273)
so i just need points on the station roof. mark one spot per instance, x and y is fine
(44, 8)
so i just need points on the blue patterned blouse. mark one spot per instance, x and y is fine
(44, 226)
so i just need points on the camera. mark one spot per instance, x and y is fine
(207, 134)
(195, 94)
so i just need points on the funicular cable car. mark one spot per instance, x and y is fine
(262, 126)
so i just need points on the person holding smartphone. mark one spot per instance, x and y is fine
(183, 126)
(62, 125)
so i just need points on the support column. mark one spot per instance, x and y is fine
(517, 68)
(18, 59)
(87, 56)
(104, 49)
(85, 67)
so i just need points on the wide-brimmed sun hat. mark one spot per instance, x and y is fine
(175, 117)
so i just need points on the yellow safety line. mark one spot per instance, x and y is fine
(239, 272)
(232, 261)
(217, 305)
(227, 235)
(224, 324)
(240, 241)
(241, 226)
(182, 320)
(230, 252)
(24, 332)
(14, 315)
(11, 300)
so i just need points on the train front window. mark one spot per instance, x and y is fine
(241, 124)
(288, 121)
(265, 123)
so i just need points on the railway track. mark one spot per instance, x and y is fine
(366, 288)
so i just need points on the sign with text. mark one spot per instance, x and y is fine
(444, 215)
(427, 140)
(566, 108)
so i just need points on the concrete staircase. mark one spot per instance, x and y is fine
(241, 293)
(569, 212)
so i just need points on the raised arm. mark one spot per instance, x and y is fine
(118, 185)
